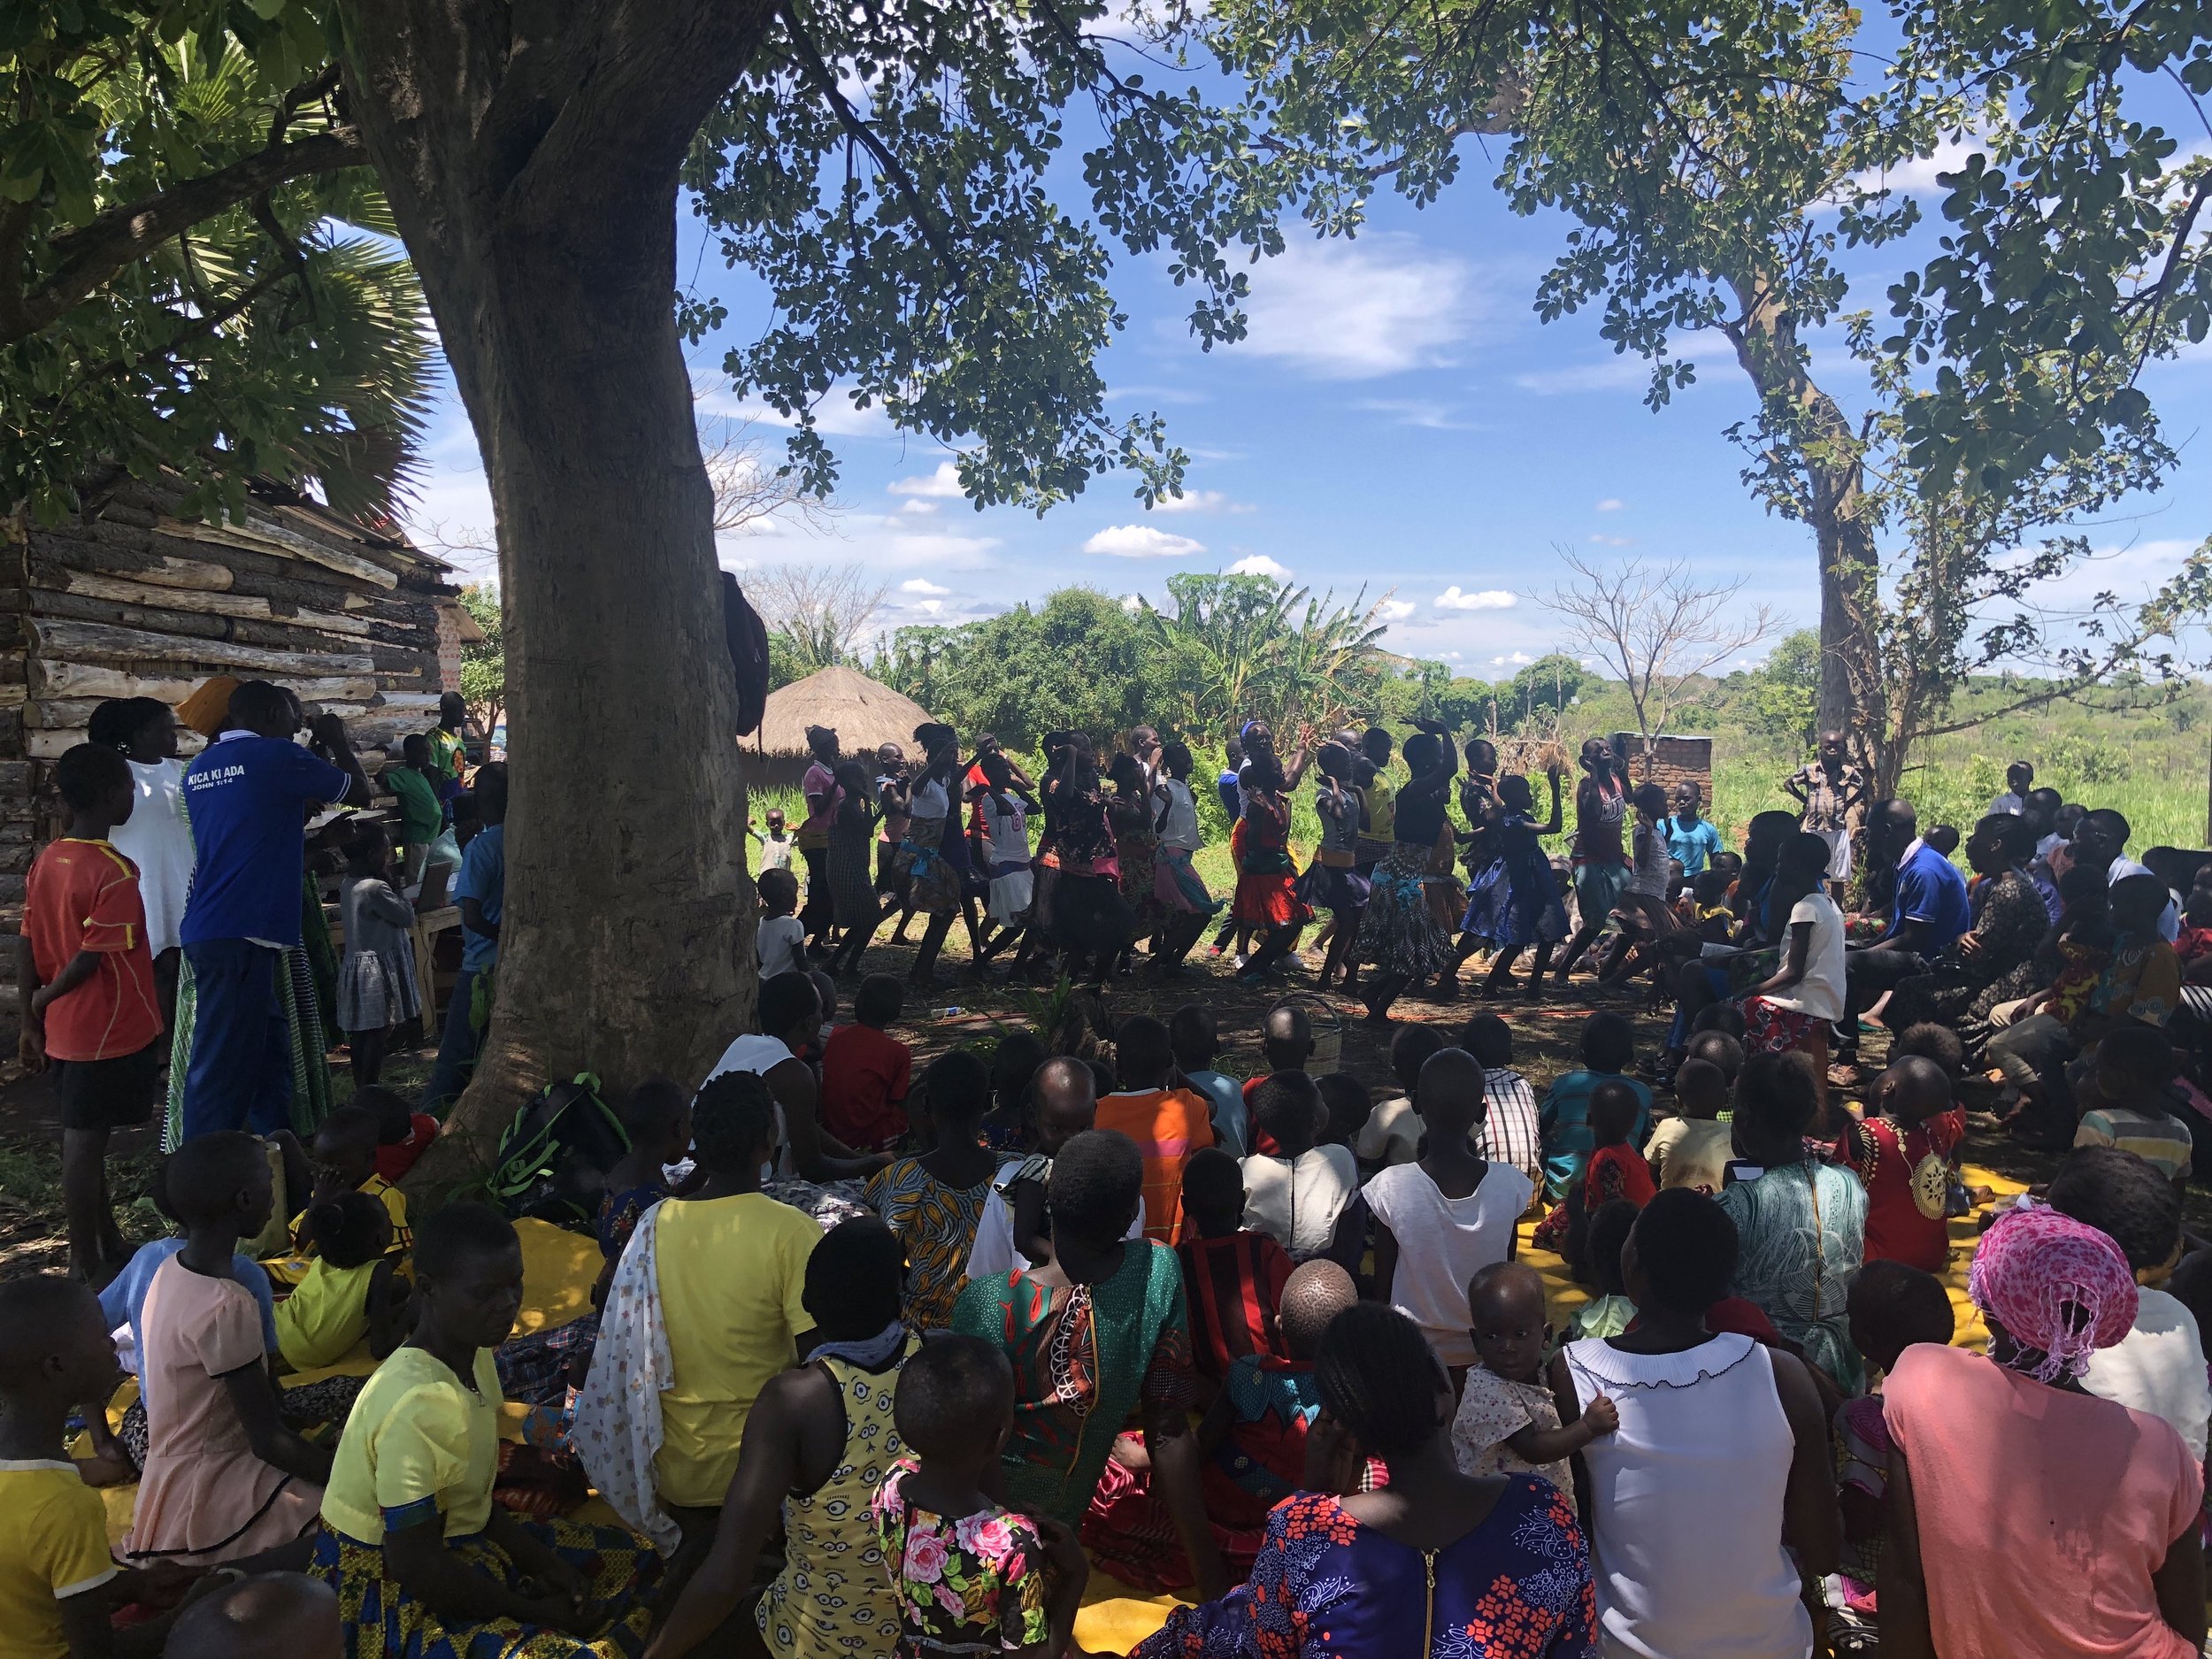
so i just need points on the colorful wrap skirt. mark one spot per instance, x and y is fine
(378, 1617)
(933, 884)
(1399, 932)
(1175, 884)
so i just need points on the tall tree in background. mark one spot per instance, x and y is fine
(177, 285)
(1717, 158)
(484, 662)
(1657, 629)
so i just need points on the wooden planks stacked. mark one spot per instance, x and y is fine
(134, 601)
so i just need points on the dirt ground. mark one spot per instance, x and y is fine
(1545, 1036)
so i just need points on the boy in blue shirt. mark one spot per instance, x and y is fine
(1691, 841)
(481, 891)
(1929, 910)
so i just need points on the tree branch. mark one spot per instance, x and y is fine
(809, 57)
(91, 255)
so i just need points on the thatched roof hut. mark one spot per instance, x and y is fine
(863, 713)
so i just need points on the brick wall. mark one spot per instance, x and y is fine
(1674, 760)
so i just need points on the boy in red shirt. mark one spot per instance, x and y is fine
(865, 1073)
(86, 981)
(1904, 1156)
(1233, 1278)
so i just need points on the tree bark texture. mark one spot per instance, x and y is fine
(1832, 499)
(531, 156)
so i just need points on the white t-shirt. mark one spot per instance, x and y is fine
(2158, 1368)
(1181, 829)
(156, 838)
(775, 854)
(760, 1055)
(1820, 993)
(1392, 1133)
(992, 1251)
(782, 946)
(929, 800)
(1443, 1243)
(1298, 1202)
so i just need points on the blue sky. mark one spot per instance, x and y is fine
(1398, 420)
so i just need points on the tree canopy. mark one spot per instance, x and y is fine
(179, 285)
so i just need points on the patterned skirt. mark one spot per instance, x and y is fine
(852, 887)
(934, 887)
(1399, 932)
(1177, 886)
(1138, 855)
(374, 992)
(1769, 1028)
(378, 1618)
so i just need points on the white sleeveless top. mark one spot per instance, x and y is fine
(1685, 1522)
(760, 1055)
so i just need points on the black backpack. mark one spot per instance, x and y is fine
(553, 1159)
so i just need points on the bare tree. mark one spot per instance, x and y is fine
(1656, 629)
(822, 611)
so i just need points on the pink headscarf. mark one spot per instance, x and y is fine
(2036, 1267)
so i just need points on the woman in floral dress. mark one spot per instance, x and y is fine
(1436, 1565)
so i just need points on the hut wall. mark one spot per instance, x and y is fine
(131, 600)
(1674, 760)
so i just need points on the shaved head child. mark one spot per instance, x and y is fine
(1507, 1420)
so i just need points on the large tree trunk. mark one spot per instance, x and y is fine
(1832, 499)
(531, 157)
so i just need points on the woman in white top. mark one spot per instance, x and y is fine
(1793, 1009)
(1175, 879)
(156, 837)
(1304, 1197)
(1718, 1474)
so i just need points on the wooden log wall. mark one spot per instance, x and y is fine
(132, 601)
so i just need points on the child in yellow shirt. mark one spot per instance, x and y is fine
(352, 1287)
(343, 1158)
(58, 1581)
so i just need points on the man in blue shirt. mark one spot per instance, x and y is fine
(1927, 914)
(248, 796)
(481, 891)
(1691, 841)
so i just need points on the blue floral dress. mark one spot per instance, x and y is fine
(1517, 1586)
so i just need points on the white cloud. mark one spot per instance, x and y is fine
(1484, 599)
(930, 607)
(1519, 659)
(1142, 542)
(919, 509)
(835, 414)
(1613, 374)
(1611, 503)
(1917, 176)
(1610, 541)
(1193, 501)
(1132, 604)
(942, 484)
(1260, 564)
(1414, 412)
(923, 585)
(1396, 609)
(1354, 311)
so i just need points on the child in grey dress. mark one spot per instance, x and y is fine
(376, 982)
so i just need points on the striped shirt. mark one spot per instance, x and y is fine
(2157, 1137)
(1512, 1133)
(1233, 1286)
